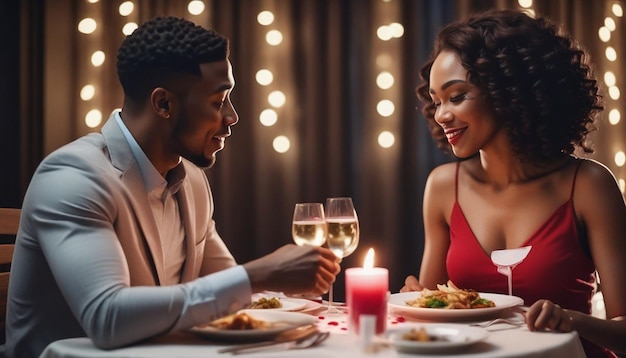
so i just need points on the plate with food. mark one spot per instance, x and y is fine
(278, 303)
(435, 338)
(450, 303)
(252, 325)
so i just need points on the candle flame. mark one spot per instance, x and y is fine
(369, 259)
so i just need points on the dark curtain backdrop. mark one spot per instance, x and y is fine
(21, 96)
(326, 65)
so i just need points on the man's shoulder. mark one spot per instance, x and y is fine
(90, 145)
(88, 154)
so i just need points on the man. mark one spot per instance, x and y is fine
(117, 240)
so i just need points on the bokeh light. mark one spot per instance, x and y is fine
(617, 10)
(87, 92)
(129, 28)
(276, 99)
(264, 77)
(274, 37)
(93, 118)
(126, 8)
(87, 25)
(97, 58)
(611, 54)
(385, 108)
(620, 158)
(604, 34)
(196, 7)
(614, 116)
(384, 80)
(265, 18)
(386, 139)
(281, 144)
(525, 3)
(268, 117)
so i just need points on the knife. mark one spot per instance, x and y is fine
(296, 335)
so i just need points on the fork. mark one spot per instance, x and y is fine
(310, 341)
(307, 341)
(320, 337)
(498, 320)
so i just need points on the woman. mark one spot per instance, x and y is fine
(514, 98)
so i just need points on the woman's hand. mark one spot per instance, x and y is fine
(411, 284)
(546, 315)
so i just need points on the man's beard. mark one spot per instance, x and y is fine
(199, 160)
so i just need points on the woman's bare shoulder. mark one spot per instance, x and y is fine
(596, 188)
(441, 188)
(443, 174)
(592, 173)
(438, 203)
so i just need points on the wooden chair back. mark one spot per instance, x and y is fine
(9, 223)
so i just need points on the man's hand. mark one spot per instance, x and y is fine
(294, 269)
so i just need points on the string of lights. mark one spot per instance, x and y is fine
(385, 79)
(90, 88)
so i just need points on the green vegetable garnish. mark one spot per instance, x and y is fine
(435, 303)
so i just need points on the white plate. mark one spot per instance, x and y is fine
(454, 336)
(281, 320)
(288, 304)
(397, 302)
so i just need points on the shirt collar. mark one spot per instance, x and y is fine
(152, 179)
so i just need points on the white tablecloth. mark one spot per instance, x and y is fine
(502, 341)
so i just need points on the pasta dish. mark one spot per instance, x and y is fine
(420, 335)
(450, 297)
(267, 303)
(239, 321)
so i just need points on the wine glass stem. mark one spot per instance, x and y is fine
(330, 293)
(510, 278)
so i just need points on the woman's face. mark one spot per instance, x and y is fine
(461, 111)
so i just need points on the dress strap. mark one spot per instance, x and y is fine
(456, 182)
(571, 195)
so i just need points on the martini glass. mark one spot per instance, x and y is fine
(507, 259)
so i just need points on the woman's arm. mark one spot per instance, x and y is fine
(438, 200)
(599, 205)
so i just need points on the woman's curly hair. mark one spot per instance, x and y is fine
(163, 47)
(537, 80)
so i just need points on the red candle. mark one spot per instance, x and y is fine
(366, 293)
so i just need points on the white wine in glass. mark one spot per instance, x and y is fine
(343, 233)
(309, 226)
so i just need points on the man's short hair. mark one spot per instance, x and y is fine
(161, 48)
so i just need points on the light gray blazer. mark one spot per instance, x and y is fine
(88, 256)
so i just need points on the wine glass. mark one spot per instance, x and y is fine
(507, 259)
(343, 233)
(309, 226)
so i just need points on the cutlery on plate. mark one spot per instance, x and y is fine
(498, 320)
(297, 336)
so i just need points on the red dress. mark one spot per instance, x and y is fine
(556, 267)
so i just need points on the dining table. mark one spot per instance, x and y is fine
(501, 340)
